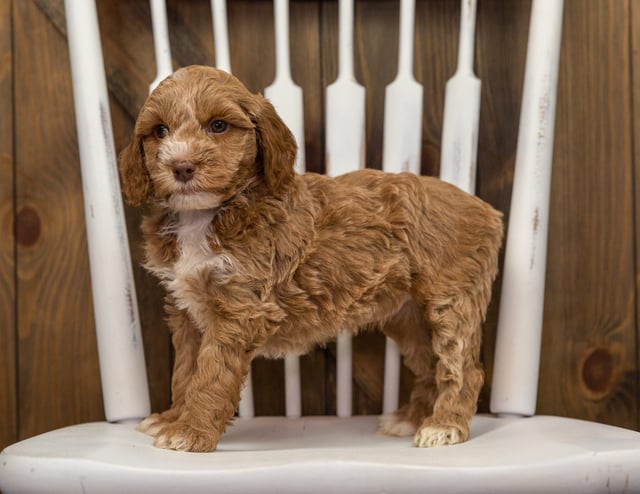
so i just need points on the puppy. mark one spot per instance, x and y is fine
(258, 260)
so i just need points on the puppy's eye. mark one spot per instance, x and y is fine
(161, 131)
(218, 126)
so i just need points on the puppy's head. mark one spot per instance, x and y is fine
(200, 138)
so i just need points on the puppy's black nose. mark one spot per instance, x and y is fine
(183, 170)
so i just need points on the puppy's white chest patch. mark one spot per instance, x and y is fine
(195, 258)
(193, 241)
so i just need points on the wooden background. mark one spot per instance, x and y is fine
(590, 354)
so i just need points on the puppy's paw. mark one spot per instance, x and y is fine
(432, 434)
(393, 424)
(156, 421)
(151, 424)
(184, 437)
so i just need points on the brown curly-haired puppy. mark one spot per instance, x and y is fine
(258, 260)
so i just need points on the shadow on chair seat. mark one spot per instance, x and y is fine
(329, 454)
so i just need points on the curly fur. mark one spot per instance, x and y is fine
(258, 260)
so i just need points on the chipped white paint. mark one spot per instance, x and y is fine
(517, 355)
(122, 367)
(462, 110)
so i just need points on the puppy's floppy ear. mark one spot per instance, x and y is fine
(277, 146)
(134, 177)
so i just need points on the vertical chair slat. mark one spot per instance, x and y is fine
(462, 110)
(344, 374)
(161, 45)
(345, 105)
(517, 355)
(220, 34)
(245, 407)
(392, 365)
(121, 355)
(284, 93)
(345, 143)
(292, 386)
(401, 153)
(286, 97)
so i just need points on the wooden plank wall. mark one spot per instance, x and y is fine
(8, 396)
(590, 356)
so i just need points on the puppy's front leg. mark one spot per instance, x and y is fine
(186, 339)
(211, 396)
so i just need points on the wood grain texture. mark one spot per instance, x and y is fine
(57, 355)
(635, 73)
(635, 91)
(8, 398)
(589, 343)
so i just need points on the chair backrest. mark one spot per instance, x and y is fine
(518, 340)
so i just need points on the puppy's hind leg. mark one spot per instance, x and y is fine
(455, 316)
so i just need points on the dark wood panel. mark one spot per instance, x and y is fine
(127, 45)
(58, 367)
(8, 411)
(589, 343)
(635, 71)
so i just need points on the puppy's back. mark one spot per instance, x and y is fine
(433, 216)
(429, 197)
(435, 222)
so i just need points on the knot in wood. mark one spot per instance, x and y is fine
(28, 227)
(598, 371)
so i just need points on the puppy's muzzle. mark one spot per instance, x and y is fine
(183, 171)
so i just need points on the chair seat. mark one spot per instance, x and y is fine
(330, 454)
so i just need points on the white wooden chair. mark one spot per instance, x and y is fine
(511, 451)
